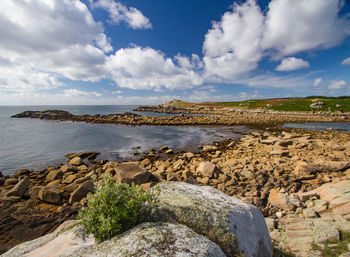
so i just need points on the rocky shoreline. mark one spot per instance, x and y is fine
(210, 117)
(279, 172)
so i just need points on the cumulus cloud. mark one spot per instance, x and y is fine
(318, 82)
(292, 63)
(346, 61)
(337, 84)
(235, 44)
(119, 12)
(146, 68)
(295, 26)
(46, 40)
(232, 45)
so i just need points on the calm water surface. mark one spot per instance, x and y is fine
(34, 144)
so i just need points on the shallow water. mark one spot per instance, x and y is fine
(34, 144)
(344, 126)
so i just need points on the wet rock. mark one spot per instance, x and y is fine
(76, 161)
(22, 172)
(82, 191)
(209, 148)
(131, 173)
(235, 226)
(20, 188)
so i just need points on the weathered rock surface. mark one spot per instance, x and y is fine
(131, 173)
(20, 188)
(235, 226)
(148, 239)
(82, 191)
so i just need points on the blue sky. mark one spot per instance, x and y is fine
(145, 52)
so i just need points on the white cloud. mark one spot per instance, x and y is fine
(146, 68)
(119, 12)
(337, 84)
(292, 63)
(234, 45)
(346, 61)
(296, 26)
(46, 40)
(318, 82)
(73, 93)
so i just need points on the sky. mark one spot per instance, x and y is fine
(57, 52)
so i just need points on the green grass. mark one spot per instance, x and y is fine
(335, 248)
(291, 104)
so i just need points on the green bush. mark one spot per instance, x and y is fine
(115, 208)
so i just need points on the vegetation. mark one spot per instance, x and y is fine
(115, 208)
(334, 248)
(334, 104)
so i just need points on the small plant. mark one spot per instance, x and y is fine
(115, 208)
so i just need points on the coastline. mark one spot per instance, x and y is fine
(247, 168)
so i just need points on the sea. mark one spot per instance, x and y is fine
(35, 144)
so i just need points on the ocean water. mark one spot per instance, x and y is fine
(34, 144)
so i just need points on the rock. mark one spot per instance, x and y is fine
(342, 224)
(10, 181)
(34, 192)
(164, 148)
(317, 105)
(309, 213)
(20, 188)
(169, 151)
(324, 229)
(22, 172)
(304, 171)
(83, 155)
(64, 241)
(247, 173)
(76, 161)
(279, 199)
(235, 226)
(189, 155)
(70, 188)
(209, 148)
(82, 191)
(131, 173)
(69, 179)
(54, 174)
(206, 169)
(148, 239)
(323, 165)
(50, 195)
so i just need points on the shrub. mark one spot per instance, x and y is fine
(115, 208)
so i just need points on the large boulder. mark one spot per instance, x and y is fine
(237, 227)
(148, 239)
(50, 194)
(131, 173)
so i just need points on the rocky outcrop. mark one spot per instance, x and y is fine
(148, 239)
(237, 227)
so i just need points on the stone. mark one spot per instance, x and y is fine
(20, 188)
(206, 169)
(54, 174)
(131, 173)
(70, 188)
(82, 191)
(189, 155)
(323, 165)
(324, 229)
(76, 161)
(309, 213)
(209, 148)
(10, 181)
(247, 173)
(169, 151)
(50, 195)
(237, 227)
(148, 185)
(164, 148)
(279, 199)
(330, 191)
(34, 192)
(342, 224)
(304, 171)
(22, 172)
(69, 179)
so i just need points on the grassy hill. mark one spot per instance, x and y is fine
(341, 103)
